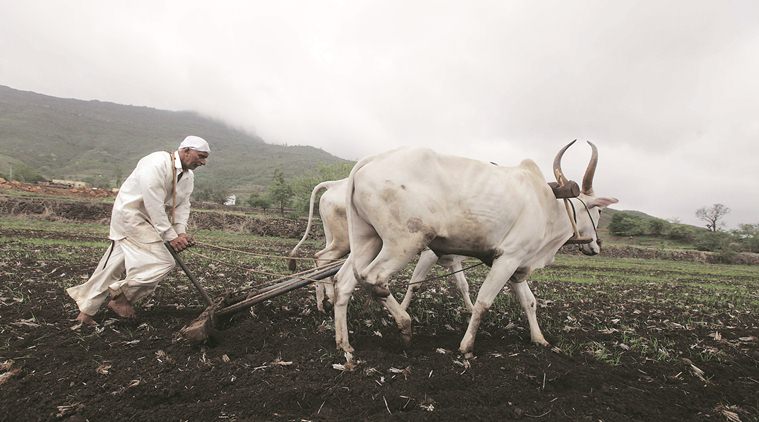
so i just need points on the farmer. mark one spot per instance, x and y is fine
(152, 206)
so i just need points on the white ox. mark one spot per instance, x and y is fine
(335, 224)
(405, 200)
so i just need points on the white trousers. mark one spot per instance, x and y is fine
(145, 264)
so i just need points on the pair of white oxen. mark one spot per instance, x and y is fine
(404, 202)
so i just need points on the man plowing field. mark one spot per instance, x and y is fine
(152, 207)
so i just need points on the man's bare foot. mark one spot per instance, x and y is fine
(85, 319)
(121, 306)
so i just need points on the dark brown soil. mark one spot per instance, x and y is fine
(278, 362)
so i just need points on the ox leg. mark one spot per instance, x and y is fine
(462, 285)
(426, 260)
(325, 290)
(319, 286)
(402, 318)
(521, 290)
(345, 282)
(329, 289)
(499, 274)
(376, 274)
(390, 259)
(332, 252)
(337, 247)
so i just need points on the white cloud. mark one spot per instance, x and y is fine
(666, 90)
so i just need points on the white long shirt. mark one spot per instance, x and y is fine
(143, 205)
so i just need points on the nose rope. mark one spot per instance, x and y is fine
(592, 223)
(587, 210)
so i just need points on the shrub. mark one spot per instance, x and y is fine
(257, 200)
(727, 255)
(627, 225)
(747, 235)
(713, 241)
(657, 227)
(681, 233)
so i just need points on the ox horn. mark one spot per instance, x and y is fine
(557, 165)
(587, 180)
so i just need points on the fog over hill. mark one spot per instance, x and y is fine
(100, 142)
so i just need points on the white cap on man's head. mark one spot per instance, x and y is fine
(195, 142)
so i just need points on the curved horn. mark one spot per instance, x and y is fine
(587, 180)
(557, 165)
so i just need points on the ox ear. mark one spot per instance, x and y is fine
(601, 202)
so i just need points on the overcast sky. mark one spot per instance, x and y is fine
(667, 90)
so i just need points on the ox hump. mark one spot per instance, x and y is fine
(531, 166)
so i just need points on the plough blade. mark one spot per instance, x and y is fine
(203, 327)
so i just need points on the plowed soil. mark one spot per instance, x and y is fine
(642, 352)
(646, 351)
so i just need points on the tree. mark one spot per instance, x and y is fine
(681, 232)
(23, 173)
(713, 216)
(256, 200)
(626, 225)
(280, 191)
(210, 194)
(748, 236)
(303, 185)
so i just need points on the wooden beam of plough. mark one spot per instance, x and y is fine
(203, 327)
(282, 286)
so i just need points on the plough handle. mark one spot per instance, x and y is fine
(194, 281)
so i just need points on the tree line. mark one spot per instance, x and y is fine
(288, 197)
(715, 238)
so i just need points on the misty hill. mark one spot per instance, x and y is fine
(100, 142)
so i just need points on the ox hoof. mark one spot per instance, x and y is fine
(325, 307)
(468, 355)
(406, 333)
(348, 350)
(406, 337)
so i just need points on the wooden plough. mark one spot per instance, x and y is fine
(203, 327)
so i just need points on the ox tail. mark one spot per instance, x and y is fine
(291, 263)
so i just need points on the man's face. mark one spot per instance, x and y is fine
(192, 159)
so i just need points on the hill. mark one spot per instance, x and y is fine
(100, 142)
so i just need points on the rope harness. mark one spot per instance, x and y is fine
(446, 275)
(576, 239)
